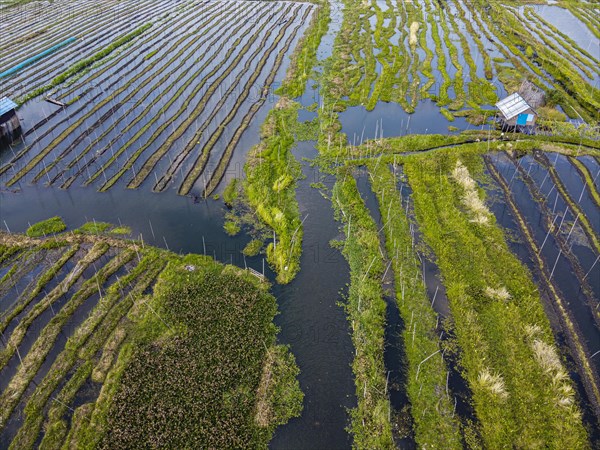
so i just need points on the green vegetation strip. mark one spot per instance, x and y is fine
(45, 227)
(427, 375)
(578, 350)
(42, 346)
(70, 279)
(271, 168)
(506, 342)
(196, 375)
(304, 57)
(81, 65)
(219, 172)
(190, 117)
(82, 345)
(271, 174)
(587, 178)
(205, 152)
(370, 426)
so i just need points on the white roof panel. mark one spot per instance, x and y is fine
(512, 106)
(6, 105)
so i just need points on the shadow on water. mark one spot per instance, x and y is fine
(436, 292)
(576, 188)
(579, 248)
(563, 276)
(394, 357)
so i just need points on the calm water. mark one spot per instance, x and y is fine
(311, 319)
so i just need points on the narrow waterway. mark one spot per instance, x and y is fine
(314, 324)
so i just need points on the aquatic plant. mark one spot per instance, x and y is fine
(46, 227)
(498, 364)
(126, 319)
(370, 427)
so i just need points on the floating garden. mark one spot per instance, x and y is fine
(93, 325)
(473, 254)
(155, 105)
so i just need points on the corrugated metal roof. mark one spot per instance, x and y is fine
(512, 106)
(6, 104)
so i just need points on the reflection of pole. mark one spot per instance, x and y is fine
(555, 263)
(598, 257)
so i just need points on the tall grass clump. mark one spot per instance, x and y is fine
(493, 302)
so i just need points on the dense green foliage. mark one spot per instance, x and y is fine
(253, 247)
(507, 347)
(46, 227)
(184, 354)
(230, 194)
(194, 383)
(271, 168)
(427, 374)
(93, 227)
(304, 58)
(271, 174)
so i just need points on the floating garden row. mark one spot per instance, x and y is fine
(98, 34)
(483, 292)
(73, 136)
(118, 302)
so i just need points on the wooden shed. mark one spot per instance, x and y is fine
(514, 111)
(10, 127)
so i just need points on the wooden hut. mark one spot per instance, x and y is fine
(514, 111)
(10, 127)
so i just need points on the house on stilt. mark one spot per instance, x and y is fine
(514, 111)
(10, 127)
(518, 110)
